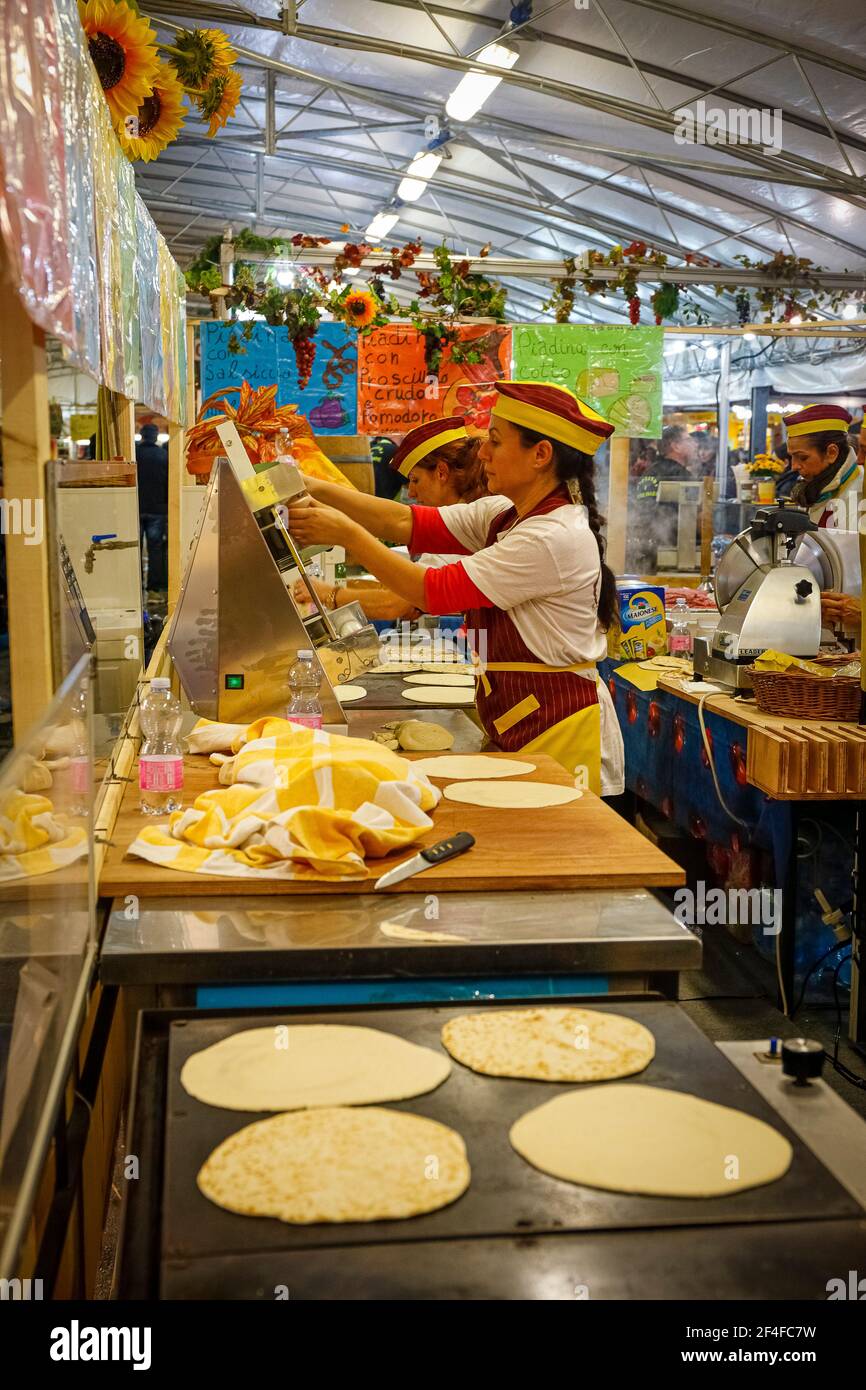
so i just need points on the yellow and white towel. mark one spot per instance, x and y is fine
(34, 838)
(301, 804)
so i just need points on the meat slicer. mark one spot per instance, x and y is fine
(768, 587)
(237, 629)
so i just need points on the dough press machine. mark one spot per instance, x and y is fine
(237, 629)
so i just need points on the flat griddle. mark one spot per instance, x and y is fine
(508, 1201)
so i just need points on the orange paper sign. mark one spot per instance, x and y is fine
(396, 392)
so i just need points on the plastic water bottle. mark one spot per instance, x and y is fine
(681, 634)
(305, 680)
(160, 763)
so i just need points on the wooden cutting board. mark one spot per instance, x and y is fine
(581, 845)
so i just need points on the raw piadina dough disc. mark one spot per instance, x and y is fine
(403, 933)
(469, 765)
(439, 694)
(512, 796)
(442, 678)
(445, 666)
(550, 1044)
(293, 1066)
(337, 1164)
(650, 1141)
(345, 693)
(392, 668)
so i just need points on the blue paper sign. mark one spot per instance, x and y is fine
(329, 400)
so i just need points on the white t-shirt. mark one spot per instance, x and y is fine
(545, 573)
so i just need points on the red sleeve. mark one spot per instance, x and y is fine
(430, 535)
(450, 590)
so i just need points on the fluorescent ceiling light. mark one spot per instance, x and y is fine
(422, 168)
(474, 88)
(850, 311)
(675, 347)
(712, 353)
(797, 319)
(381, 225)
(351, 270)
(749, 337)
(286, 277)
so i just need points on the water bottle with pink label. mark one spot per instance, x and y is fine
(305, 681)
(160, 762)
(680, 640)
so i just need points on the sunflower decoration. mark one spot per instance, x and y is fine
(123, 49)
(199, 55)
(217, 102)
(160, 117)
(360, 308)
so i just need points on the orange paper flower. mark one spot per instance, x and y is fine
(259, 421)
(360, 308)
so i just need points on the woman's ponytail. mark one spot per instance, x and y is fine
(573, 466)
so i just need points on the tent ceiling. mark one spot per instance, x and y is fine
(574, 149)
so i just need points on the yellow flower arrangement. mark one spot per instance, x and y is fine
(765, 465)
(122, 47)
(219, 99)
(360, 308)
(160, 118)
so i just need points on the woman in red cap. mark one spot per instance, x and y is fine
(440, 463)
(831, 479)
(532, 580)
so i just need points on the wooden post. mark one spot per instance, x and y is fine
(126, 428)
(26, 448)
(617, 504)
(175, 488)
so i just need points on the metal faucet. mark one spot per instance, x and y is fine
(108, 542)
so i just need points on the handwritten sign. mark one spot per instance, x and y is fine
(618, 371)
(329, 401)
(396, 392)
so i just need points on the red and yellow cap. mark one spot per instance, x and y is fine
(817, 419)
(426, 439)
(552, 411)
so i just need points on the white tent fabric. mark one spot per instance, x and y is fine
(576, 148)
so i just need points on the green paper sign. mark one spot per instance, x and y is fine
(618, 371)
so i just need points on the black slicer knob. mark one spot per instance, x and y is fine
(802, 1058)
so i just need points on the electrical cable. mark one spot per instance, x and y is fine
(711, 760)
(837, 946)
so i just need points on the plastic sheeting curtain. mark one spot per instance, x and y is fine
(89, 264)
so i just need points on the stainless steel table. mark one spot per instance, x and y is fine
(626, 940)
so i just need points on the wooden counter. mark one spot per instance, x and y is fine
(788, 758)
(581, 845)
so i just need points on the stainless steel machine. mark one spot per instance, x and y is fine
(768, 587)
(237, 629)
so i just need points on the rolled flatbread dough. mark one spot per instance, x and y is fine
(346, 693)
(550, 1044)
(337, 1165)
(299, 1065)
(404, 933)
(512, 795)
(439, 694)
(393, 668)
(442, 678)
(468, 765)
(446, 666)
(651, 1141)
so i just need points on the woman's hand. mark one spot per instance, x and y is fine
(301, 594)
(314, 523)
(839, 610)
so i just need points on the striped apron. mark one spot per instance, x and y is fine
(525, 705)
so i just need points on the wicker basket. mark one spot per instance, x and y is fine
(799, 695)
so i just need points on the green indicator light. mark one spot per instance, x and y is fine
(234, 682)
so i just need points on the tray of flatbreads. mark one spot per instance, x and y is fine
(466, 1090)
